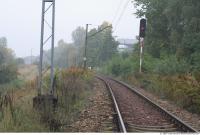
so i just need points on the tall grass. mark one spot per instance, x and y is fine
(73, 86)
(16, 112)
(15, 118)
(73, 89)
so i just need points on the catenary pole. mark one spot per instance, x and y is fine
(85, 54)
(41, 51)
(52, 49)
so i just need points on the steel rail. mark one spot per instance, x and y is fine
(177, 121)
(120, 119)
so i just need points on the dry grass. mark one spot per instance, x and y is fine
(28, 72)
(19, 116)
(183, 87)
(73, 89)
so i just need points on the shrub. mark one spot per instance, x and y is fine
(8, 72)
(124, 66)
(171, 65)
(8, 68)
(73, 86)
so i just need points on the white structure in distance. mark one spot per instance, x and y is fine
(126, 45)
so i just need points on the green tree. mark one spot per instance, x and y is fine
(78, 36)
(173, 28)
(66, 55)
(102, 46)
(8, 68)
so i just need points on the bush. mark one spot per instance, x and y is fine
(73, 86)
(8, 68)
(184, 90)
(171, 65)
(124, 66)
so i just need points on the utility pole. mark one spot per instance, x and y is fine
(31, 56)
(85, 54)
(86, 41)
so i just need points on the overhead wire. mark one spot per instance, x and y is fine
(117, 11)
(121, 15)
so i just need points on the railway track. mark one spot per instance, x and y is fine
(137, 113)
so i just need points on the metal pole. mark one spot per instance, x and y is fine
(31, 56)
(85, 57)
(52, 48)
(141, 53)
(41, 51)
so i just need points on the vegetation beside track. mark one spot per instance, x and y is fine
(16, 113)
(164, 77)
(16, 108)
(73, 86)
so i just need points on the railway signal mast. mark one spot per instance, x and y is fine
(47, 5)
(141, 40)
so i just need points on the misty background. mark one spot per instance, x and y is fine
(21, 21)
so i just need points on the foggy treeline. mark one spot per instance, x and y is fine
(8, 63)
(100, 48)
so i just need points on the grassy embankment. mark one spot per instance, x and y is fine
(16, 112)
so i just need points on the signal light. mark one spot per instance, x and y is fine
(142, 27)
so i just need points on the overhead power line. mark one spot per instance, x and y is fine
(117, 11)
(99, 31)
(121, 15)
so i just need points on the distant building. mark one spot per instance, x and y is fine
(126, 45)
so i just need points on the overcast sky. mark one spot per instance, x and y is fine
(20, 21)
